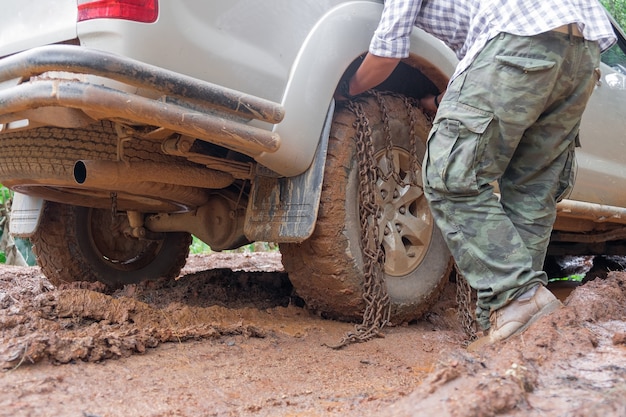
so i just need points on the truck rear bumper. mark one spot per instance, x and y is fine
(183, 104)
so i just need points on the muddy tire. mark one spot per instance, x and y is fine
(40, 162)
(85, 244)
(327, 269)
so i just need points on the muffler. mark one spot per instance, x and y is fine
(598, 213)
(107, 174)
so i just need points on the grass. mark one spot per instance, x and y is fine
(575, 278)
(5, 196)
(23, 246)
(199, 247)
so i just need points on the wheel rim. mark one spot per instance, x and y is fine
(405, 225)
(114, 247)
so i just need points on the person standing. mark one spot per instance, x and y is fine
(510, 116)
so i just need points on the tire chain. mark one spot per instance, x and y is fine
(465, 299)
(114, 213)
(377, 303)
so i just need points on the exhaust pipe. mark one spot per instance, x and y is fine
(108, 174)
(598, 213)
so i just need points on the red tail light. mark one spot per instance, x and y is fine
(145, 11)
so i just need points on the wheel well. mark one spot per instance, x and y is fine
(413, 77)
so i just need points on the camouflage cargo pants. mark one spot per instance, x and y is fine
(510, 119)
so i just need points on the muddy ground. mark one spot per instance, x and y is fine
(218, 342)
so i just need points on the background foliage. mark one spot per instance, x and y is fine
(615, 56)
(16, 250)
(617, 8)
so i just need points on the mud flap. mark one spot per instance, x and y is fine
(284, 210)
(25, 215)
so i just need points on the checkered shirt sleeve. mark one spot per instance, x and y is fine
(391, 38)
(466, 25)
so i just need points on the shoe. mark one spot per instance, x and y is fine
(518, 315)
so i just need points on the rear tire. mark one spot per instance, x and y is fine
(327, 269)
(84, 244)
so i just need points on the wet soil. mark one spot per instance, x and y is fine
(230, 337)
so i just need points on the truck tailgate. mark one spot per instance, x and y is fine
(28, 23)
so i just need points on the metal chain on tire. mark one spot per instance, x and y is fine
(465, 295)
(113, 196)
(377, 303)
(465, 301)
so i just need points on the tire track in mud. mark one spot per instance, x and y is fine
(571, 362)
(568, 363)
(79, 322)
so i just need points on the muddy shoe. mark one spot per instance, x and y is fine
(520, 313)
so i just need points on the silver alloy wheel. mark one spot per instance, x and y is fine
(406, 225)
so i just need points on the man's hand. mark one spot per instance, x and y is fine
(342, 93)
(430, 103)
(372, 71)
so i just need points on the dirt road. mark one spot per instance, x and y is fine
(224, 343)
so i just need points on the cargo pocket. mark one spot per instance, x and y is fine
(568, 176)
(525, 64)
(454, 143)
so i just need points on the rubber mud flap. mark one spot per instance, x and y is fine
(285, 209)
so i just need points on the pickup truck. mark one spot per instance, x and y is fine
(127, 126)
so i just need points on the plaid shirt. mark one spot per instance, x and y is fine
(467, 25)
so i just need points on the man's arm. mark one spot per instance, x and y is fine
(389, 44)
(373, 71)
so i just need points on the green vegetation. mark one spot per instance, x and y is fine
(617, 8)
(24, 248)
(5, 196)
(198, 246)
(575, 277)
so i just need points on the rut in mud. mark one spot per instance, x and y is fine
(572, 362)
(252, 350)
(78, 322)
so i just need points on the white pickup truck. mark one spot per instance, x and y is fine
(126, 126)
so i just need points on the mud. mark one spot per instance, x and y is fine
(230, 337)
(571, 363)
(78, 322)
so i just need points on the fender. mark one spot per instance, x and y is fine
(339, 37)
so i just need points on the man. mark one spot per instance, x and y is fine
(510, 115)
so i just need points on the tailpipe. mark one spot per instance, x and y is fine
(598, 213)
(109, 174)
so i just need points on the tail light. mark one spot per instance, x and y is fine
(144, 11)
